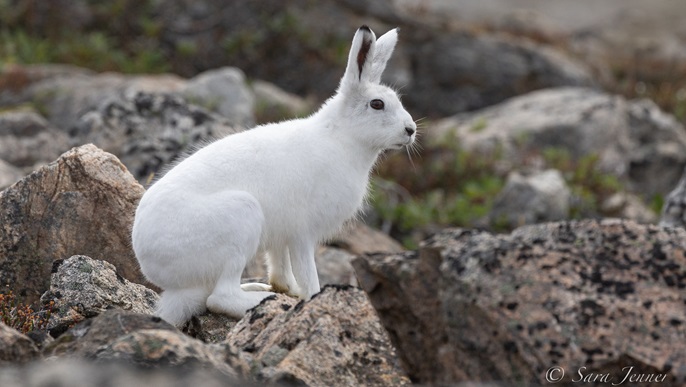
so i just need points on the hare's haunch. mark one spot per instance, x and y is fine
(278, 189)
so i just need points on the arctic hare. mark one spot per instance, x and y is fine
(278, 189)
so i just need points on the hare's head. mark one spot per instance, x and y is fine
(374, 110)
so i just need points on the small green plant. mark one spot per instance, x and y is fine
(454, 187)
(21, 317)
(589, 184)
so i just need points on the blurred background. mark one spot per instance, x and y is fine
(529, 110)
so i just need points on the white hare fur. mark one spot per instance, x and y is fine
(275, 190)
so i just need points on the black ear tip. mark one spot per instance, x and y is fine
(364, 27)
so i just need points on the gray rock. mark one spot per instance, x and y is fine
(463, 71)
(83, 203)
(148, 131)
(9, 174)
(534, 198)
(139, 339)
(224, 91)
(472, 305)
(333, 339)
(634, 140)
(627, 206)
(81, 288)
(273, 104)
(27, 139)
(63, 94)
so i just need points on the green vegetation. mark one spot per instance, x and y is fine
(129, 42)
(452, 187)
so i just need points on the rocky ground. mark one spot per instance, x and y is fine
(586, 184)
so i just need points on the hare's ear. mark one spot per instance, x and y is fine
(382, 53)
(360, 58)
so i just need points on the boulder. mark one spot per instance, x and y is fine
(470, 305)
(634, 140)
(333, 339)
(533, 198)
(148, 131)
(83, 203)
(462, 71)
(274, 104)
(27, 139)
(81, 288)
(15, 348)
(224, 91)
(133, 338)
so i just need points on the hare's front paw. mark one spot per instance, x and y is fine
(282, 286)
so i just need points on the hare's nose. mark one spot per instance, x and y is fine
(410, 131)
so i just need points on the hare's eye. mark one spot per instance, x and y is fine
(376, 104)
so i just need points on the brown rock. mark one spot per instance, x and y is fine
(15, 347)
(83, 203)
(361, 239)
(334, 339)
(476, 306)
(82, 288)
(136, 339)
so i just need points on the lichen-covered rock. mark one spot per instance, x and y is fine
(633, 140)
(471, 305)
(148, 131)
(333, 339)
(81, 288)
(15, 347)
(83, 203)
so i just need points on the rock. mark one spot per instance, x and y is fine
(81, 373)
(463, 71)
(471, 305)
(211, 328)
(627, 206)
(674, 210)
(27, 139)
(534, 198)
(143, 340)
(83, 203)
(333, 267)
(361, 239)
(224, 91)
(334, 339)
(64, 94)
(273, 104)
(148, 131)
(81, 288)
(9, 174)
(15, 348)
(634, 140)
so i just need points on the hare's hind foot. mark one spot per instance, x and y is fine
(256, 287)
